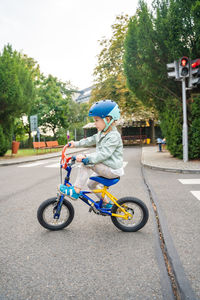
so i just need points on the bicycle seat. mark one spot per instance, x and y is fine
(105, 181)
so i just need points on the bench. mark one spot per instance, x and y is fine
(46, 145)
(53, 144)
(39, 145)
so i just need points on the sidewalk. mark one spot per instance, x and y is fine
(163, 161)
(26, 159)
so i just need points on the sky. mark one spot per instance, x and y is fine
(61, 35)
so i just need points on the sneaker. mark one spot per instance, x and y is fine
(107, 205)
(68, 191)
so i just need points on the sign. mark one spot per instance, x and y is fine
(68, 134)
(34, 122)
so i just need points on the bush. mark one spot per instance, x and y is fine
(194, 128)
(171, 126)
(5, 140)
(61, 136)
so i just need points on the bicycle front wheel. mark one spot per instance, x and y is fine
(138, 211)
(46, 211)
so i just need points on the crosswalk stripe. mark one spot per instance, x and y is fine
(196, 194)
(190, 181)
(32, 164)
(56, 165)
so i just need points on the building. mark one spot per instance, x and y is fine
(84, 95)
(133, 130)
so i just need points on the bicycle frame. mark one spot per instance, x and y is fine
(95, 206)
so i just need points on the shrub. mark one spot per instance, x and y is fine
(194, 128)
(5, 140)
(171, 126)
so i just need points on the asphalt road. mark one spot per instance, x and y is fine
(90, 259)
(179, 207)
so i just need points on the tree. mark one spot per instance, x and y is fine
(109, 75)
(16, 92)
(155, 38)
(51, 105)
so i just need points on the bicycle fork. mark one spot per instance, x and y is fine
(58, 207)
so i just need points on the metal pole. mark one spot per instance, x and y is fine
(185, 126)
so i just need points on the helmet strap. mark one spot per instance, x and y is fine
(107, 124)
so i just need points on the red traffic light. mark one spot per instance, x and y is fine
(184, 61)
(196, 63)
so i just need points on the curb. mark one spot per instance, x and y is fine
(165, 169)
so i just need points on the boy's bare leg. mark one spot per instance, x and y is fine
(77, 190)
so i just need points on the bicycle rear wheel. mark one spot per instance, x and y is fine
(46, 211)
(137, 209)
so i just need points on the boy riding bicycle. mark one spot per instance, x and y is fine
(107, 161)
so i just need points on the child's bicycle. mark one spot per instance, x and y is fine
(128, 213)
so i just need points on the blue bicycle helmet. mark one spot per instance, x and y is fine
(103, 109)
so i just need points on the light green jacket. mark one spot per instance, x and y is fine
(109, 148)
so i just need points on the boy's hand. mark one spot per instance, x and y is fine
(80, 157)
(71, 144)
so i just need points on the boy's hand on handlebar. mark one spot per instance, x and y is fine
(80, 157)
(71, 144)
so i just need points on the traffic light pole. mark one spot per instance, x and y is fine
(185, 126)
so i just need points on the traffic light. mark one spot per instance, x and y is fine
(184, 67)
(194, 78)
(173, 68)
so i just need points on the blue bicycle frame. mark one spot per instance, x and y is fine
(94, 206)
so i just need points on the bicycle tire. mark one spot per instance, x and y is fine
(134, 206)
(56, 224)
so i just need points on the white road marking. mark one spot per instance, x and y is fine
(196, 194)
(56, 165)
(32, 164)
(189, 181)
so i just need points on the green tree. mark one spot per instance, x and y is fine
(109, 75)
(16, 92)
(155, 38)
(51, 105)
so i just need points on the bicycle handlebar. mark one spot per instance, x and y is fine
(85, 161)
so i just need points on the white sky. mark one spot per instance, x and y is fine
(61, 35)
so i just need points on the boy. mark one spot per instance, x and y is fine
(107, 161)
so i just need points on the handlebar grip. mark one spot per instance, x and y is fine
(85, 161)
